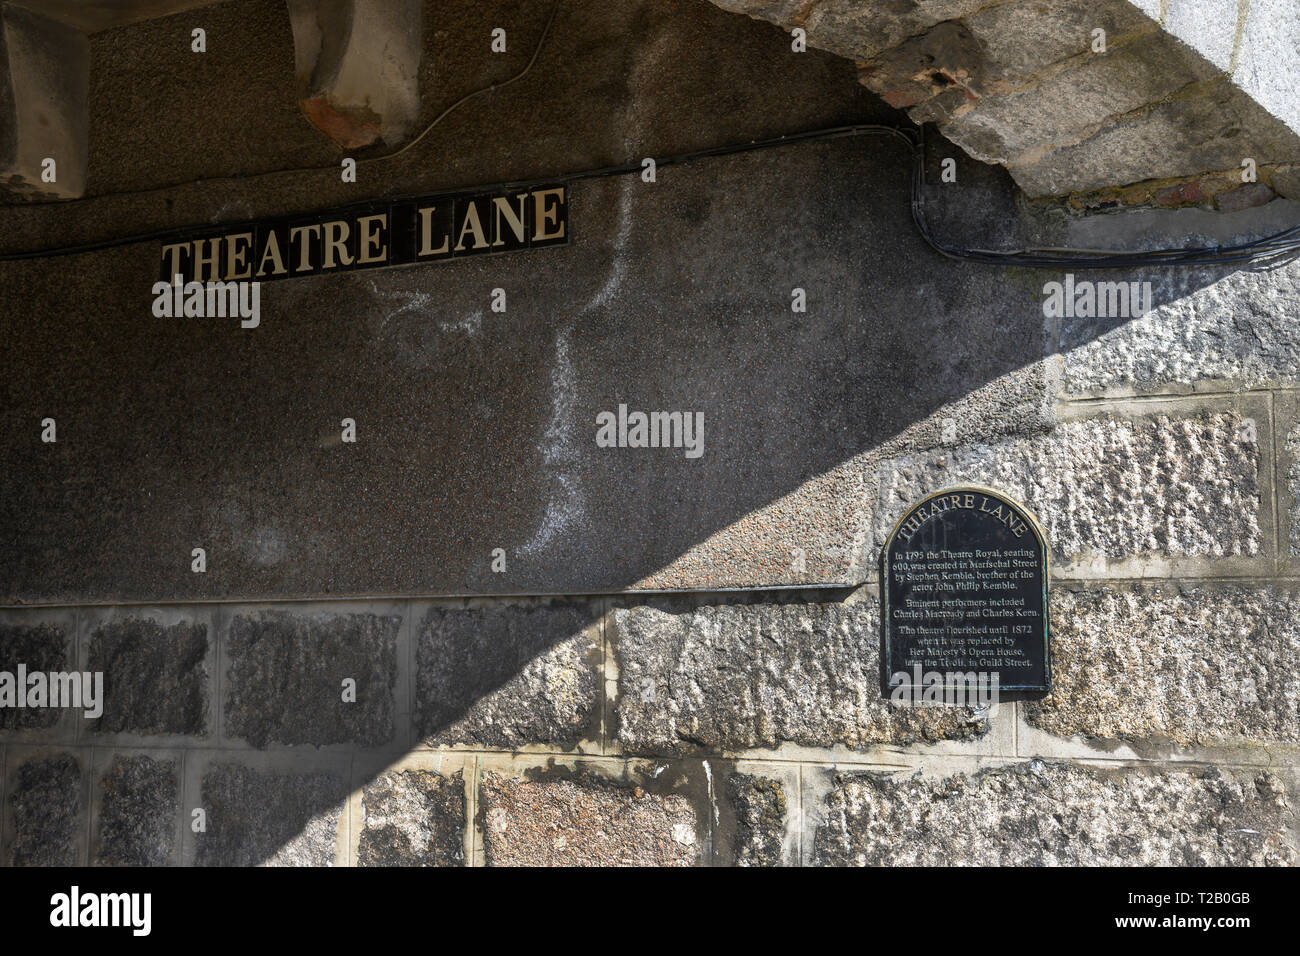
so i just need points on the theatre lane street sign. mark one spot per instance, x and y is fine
(373, 235)
(964, 589)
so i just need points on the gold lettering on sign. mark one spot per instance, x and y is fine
(336, 237)
(400, 232)
(272, 252)
(472, 223)
(426, 235)
(172, 252)
(368, 237)
(297, 233)
(208, 262)
(236, 256)
(501, 207)
(546, 216)
(937, 506)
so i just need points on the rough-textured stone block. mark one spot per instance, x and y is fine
(137, 813)
(1208, 664)
(1068, 106)
(1243, 328)
(732, 677)
(759, 804)
(1102, 487)
(1207, 26)
(1286, 181)
(1182, 135)
(1040, 814)
(585, 822)
(45, 802)
(504, 675)
(1269, 39)
(286, 672)
(858, 30)
(1019, 41)
(155, 676)
(257, 818)
(42, 647)
(413, 818)
(1019, 82)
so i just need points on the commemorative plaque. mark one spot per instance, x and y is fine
(964, 592)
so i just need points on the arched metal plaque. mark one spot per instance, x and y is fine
(963, 586)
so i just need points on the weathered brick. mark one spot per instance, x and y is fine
(286, 673)
(1113, 488)
(505, 675)
(1242, 328)
(1243, 197)
(137, 813)
(45, 802)
(1211, 663)
(585, 822)
(155, 676)
(759, 805)
(413, 818)
(1040, 814)
(268, 818)
(42, 647)
(733, 677)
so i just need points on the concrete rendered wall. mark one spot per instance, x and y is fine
(578, 721)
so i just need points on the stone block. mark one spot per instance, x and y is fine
(1243, 197)
(1042, 814)
(269, 818)
(1269, 40)
(138, 810)
(1067, 107)
(1159, 485)
(760, 808)
(1205, 664)
(42, 647)
(1242, 327)
(733, 677)
(46, 811)
(507, 675)
(413, 818)
(286, 672)
(155, 675)
(1207, 26)
(1182, 135)
(585, 822)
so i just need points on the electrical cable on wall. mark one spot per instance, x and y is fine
(1277, 245)
(1280, 244)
